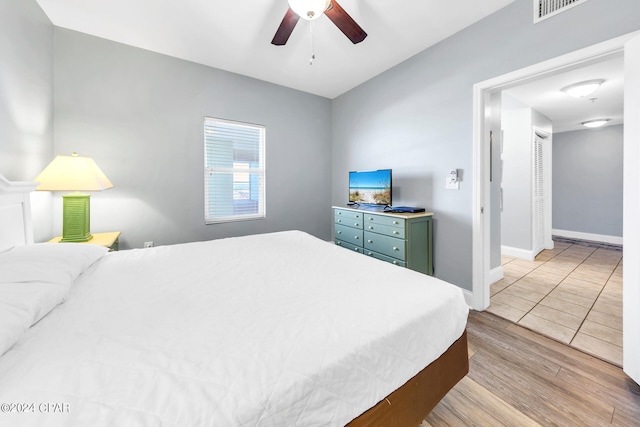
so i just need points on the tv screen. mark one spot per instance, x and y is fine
(370, 187)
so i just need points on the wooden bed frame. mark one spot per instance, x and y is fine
(405, 407)
(411, 403)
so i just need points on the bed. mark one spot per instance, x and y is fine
(278, 329)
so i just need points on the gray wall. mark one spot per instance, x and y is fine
(417, 117)
(587, 181)
(516, 215)
(517, 219)
(26, 100)
(140, 116)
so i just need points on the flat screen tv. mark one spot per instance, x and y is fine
(370, 187)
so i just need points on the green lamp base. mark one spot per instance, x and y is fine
(76, 221)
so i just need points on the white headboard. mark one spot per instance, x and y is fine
(15, 213)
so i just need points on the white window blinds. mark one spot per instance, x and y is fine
(234, 174)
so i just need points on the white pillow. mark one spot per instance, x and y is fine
(24, 304)
(57, 263)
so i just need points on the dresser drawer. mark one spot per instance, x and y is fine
(387, 230)
(392, 260)
(351, 219)
(385, 245)
(349, 246)
(384, 220)
(343, 213)
(348, 234)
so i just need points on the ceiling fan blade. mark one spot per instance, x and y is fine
(345, 23)
(286, 28)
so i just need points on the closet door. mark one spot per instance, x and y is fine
(538, 193)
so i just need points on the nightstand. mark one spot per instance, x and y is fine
(110, 240)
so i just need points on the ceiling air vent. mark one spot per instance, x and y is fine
(543, 9)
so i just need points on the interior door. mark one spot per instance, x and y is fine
(631, 210)
(539, 197)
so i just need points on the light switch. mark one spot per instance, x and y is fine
(452, 182)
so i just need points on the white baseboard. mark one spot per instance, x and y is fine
(496, 274)
(614, 240)
(469, 298)
(518, 253)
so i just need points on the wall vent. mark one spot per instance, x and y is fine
(543, 9)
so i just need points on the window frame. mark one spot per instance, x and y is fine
(259, 173)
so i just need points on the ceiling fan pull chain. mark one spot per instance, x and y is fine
(313, 49)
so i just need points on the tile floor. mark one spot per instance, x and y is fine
(572, 293)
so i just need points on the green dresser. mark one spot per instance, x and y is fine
(404, 239)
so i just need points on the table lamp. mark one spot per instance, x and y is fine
(74, 173)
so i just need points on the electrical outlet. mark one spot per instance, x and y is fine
(148, 244)
(451, 184)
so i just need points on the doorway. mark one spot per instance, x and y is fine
(480, 298)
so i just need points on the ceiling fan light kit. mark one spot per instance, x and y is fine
(309, 9)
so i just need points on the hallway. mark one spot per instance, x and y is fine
(572, 293)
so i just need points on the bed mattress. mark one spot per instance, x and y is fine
(279, 329)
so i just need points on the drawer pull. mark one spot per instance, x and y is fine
(395, 232)
(371, 218)
(396, 222)
(339, 213)
(339, 232)
(371, 227)
(338, 242)
(356, 249)
(395, 248)
(357, 237)
(395, 262)
(356, 224)
(357, 216)
(370, 253)
(339, 220)
(370, 241)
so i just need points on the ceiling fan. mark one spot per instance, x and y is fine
(313, 9)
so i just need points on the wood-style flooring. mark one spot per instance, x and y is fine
(520, 378)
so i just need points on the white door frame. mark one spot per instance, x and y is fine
(631, 209)
(480, 295)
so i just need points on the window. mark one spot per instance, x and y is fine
(234, 171)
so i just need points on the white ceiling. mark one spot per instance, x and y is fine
(545, 96)
(236, 35)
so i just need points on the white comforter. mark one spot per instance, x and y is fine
(278, 330)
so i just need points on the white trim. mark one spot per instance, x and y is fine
(614, 240)
(496, 274)
(480, 295)
(15, 212)
(481, 231)
(518, 253)
(631, 213)
(468, 297)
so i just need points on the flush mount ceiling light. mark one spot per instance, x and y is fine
(582, 89)
(595, 123)
(309, 9)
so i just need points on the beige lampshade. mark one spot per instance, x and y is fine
(72, 173)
